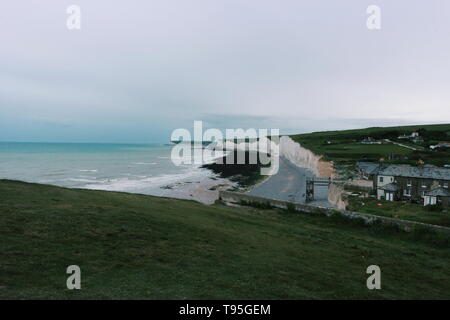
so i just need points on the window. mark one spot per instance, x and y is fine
(424, 185)
(445, 184)
(381, 179)
(409, 183)
(407, 192)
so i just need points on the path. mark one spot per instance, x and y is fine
(401, 145)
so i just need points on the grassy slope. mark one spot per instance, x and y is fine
(346, 149)
(135, 246)
(367, 131)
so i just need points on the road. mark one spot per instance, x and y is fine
(290, 184)
(401, 145)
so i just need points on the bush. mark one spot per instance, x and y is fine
(291, 207)
(435, 208)
(255, 204)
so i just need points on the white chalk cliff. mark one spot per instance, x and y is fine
(305, 158)
(298, 155)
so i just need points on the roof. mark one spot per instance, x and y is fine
(403, 170)
(389, 187)
(368, 167)
(438, 192)
(443, 144)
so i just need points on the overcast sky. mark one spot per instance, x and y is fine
(139, 69)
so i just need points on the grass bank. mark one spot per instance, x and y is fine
(136, 246)
(400, 210)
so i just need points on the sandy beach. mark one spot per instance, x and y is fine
(205, 189)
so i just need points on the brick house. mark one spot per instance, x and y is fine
(425, 185)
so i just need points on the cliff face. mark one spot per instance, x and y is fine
(291, 150)
(305, 158)
(335, 196)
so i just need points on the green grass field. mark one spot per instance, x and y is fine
(345, 147)
(134, 246)
(373, 130)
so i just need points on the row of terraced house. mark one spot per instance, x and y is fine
(427, 185)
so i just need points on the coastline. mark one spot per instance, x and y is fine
(137, 169)
(205, 190)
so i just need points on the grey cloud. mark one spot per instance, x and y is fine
(139, 69)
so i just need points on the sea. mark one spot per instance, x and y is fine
(135, 168)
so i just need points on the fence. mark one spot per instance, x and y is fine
(238, 198)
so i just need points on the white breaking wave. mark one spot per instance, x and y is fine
(146, 163)
(85, 180)
(148, 184)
